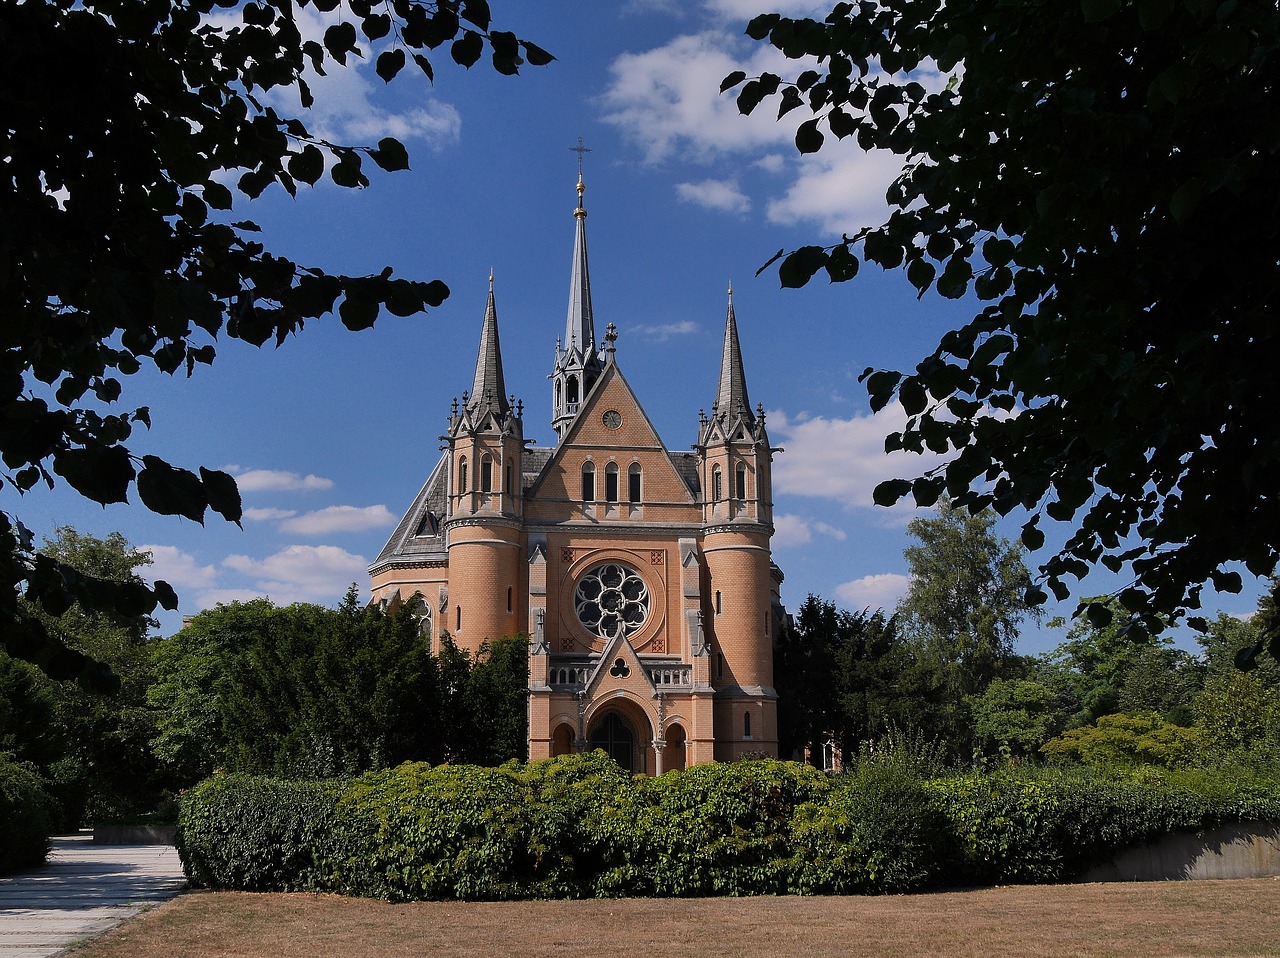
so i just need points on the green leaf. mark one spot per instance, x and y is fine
(920, 273)
(357, 314)
(808, 137)
(339, 40)
(100, 473)
(477, 12)
(1032, 537)
(217, 196)
(798, 268)
(390, 155)
(467, 48)
(536, 56)
(1098, 614)
(842, 265)
(169, 491)
(307, 165)
(732, 80)
(890, 491)
(390, 62)
(222, 494)
(1095, 11)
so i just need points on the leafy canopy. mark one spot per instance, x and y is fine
(130, 131)
(1100, 174)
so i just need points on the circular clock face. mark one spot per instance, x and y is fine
(613, 419)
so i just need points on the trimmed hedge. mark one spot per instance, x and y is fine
(578, 826)
(26, 816)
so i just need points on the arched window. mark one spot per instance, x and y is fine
(717, 489)
(740, 482)
(510, 486)
(457, 626)
(559, 395)
(611, 482)
(719, 605)
(746, 725)
(486, 474)
(633, 482)
(462, 475)
(588, 482)
(573, 391)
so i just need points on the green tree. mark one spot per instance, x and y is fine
(131, 129)
(104, 767)
(966, 598)
(1123, 741)
(1016, 717)
(497, 702)
(1100, 176)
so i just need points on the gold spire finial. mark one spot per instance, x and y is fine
(730, 292)
(491, 279)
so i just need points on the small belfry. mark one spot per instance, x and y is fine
(642, 577)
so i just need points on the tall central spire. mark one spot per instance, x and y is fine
(580, 327)
(578, 360)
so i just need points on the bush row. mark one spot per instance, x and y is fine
(26, 816)
(578, 826)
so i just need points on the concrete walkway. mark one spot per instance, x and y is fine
(83, 890)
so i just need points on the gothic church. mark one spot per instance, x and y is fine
(643, 577)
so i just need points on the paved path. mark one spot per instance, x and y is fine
(83, 890)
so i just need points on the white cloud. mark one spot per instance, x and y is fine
(772, 163)
(267, 515)
(874, 591)
(793, 530)
(670, 96)
(180, 569)
(841, 188)
(744, 10)
(843, 459)
(302, 573)
(212, 597)
(345, 109)
(339, 519)
(665, 331)
(722, 195)
(275, 480)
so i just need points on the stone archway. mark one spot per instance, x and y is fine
(623, 733)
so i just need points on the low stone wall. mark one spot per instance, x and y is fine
(1233, 851)
(134, 834)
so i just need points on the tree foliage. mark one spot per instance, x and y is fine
(1100, 176)
(966, 597)
(131, 131)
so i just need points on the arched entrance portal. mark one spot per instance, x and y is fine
(673, 756)
(614, 734)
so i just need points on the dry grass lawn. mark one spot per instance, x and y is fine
(1154, 920)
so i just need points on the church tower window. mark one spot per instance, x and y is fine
(611, 482)
(573, 391)
(510, 487)
(740, 482)
(462, 475)
(633, 482)
(717, 489)
(589, 482)
(508, 598)
(486, 474)
(746, 725)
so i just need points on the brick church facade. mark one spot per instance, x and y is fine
(642, 577)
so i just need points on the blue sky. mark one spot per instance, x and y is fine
(333, 433)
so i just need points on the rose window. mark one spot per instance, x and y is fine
(611, 599)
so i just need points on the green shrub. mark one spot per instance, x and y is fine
(718, 829)
(258, 834)
(877, 832)
(462, 831)
(26, 816)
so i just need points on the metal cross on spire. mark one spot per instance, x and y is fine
(580, 149)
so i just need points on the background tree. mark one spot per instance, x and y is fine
(129, 128)
(94, 749)
(966, 597)
(1099, 174)
(1015, 717)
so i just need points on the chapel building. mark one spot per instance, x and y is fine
(642, 577)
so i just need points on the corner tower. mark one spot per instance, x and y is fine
(483, 530)
(578, 362)
(735, 463)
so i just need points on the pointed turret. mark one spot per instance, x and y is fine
(488, 387)
(731, 396)
(578, 361)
